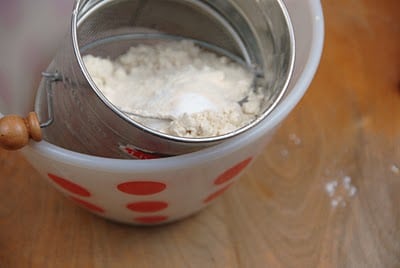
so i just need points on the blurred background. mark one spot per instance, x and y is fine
(29, 35)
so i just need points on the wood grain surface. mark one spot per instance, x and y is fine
(279, 214)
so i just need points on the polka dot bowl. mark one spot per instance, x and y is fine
(157, 191)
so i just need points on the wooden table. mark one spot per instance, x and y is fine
(325, 193)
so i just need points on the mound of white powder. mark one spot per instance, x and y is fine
(178, 88)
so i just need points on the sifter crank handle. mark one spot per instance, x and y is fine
(15, 131)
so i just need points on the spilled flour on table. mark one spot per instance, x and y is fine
(338, 185)
(395, 169)
(293, 139)
(340, 191)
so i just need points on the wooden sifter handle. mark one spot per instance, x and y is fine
(16, 131)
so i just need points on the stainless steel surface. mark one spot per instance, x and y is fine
(50, 79)
(257, 32)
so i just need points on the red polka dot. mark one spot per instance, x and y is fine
(147, 206)
(216, 194)
(142, 187)
(232, 172)
(87, 205)
(151, 219)
(70, 186)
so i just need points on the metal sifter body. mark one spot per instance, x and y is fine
(80, 118)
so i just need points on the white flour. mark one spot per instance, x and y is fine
(395, 169)
(190, 92)
(340, 191)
